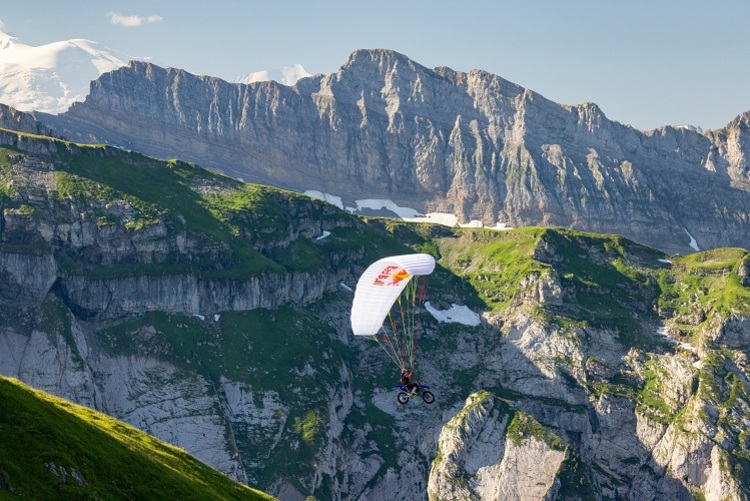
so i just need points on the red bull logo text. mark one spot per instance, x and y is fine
(391, 275)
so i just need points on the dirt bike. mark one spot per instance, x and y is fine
(421, 389)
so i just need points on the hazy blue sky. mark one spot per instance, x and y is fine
(644, 62)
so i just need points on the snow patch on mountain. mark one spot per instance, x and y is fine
(377, 204)
(693, 128)
(288, 75)
(455, 314)
(51, 77)
(693, 244)
(331, 199)
(662, 331)
(388, 208)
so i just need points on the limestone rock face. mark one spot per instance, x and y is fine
(51, 363)
(177, 406)
(477, 460)
(735, 333)
(744, 272)
(11, 118)
(437, 140)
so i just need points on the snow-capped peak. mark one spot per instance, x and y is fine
(693, 128)
(51, 77)
(288, 75)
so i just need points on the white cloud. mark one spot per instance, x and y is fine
(2, 25)
(131, 21)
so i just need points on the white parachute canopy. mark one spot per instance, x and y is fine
(379, 287)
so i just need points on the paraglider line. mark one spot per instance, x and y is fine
(398, 350)
(411, 329)
(386, 350)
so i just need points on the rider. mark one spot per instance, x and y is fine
(406, 376)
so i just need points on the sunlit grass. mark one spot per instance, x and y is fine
(494, 263)
(53, 449)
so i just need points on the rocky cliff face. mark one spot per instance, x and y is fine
(470, 144)
(486, 451)
(11, 118)
(212, 314)
(58, 226)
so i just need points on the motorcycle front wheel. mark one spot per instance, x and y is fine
(428, 397)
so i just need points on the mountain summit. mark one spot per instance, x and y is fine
(51, 77)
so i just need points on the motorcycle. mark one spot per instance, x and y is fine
(420, 390)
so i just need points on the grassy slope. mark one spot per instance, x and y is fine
(606, 277)
(220, 215)
(95, 456)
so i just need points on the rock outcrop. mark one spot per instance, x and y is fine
(486, 451)
(13, 119)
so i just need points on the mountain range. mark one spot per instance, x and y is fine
(385, 131)
(385, 135)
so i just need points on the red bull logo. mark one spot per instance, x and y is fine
(391, 275)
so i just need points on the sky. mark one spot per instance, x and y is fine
(646, 63)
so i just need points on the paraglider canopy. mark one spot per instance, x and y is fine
(381, 286)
